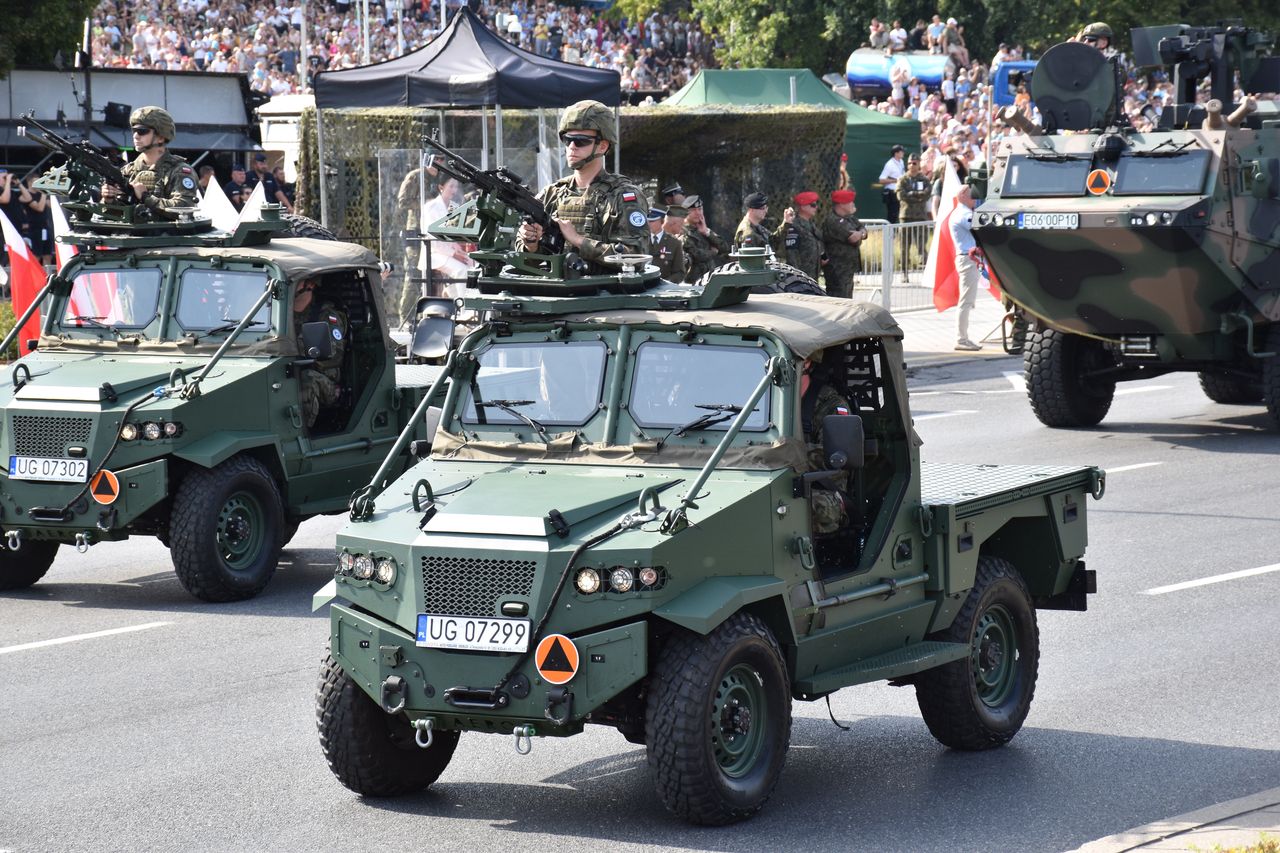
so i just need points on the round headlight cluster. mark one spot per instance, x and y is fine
(619, 579)
(366, 567)
(151, 430)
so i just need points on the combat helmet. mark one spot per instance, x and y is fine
(590, 115)
(156, 118)
(1098, 30)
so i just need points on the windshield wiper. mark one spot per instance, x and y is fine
(96, 322)
(509, 406)
(225, 327)
(719, 413)
(1171, 152)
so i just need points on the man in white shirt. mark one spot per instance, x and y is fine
(960, 224)
(889, 175)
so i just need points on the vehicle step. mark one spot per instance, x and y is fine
(895, 664)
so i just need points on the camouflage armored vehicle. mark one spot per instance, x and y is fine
(615, 526)
(165, 394)
(1135, 254)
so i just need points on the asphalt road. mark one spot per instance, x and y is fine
(196, 729)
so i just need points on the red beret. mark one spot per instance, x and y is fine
(843, 196)
(806, 197)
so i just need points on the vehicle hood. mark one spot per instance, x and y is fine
(81, 378)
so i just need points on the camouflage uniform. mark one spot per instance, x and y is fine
(751, 235)
(408, 202)
(170, 183)
(827, 505)
(914, 194)
(668, 255)
(702, 254)
(846, 258)
(800, 245)
(321, 382)
(609, 213)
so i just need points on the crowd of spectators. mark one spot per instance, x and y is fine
(263, 38)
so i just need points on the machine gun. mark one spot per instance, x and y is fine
(86, 168)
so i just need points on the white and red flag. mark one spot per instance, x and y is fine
(26, 278)
(940, 268)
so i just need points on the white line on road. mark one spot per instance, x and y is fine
(1133, 467)
(4, 650)
(936, 415)
(1229, 576)
(1016, 379)
(1142, 389)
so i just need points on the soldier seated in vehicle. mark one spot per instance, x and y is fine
(819, 397)
(321, 381)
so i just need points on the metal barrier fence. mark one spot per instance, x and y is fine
(893, 259)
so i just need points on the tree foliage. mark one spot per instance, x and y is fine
(33, 31)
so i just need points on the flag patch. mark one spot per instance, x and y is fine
(628, 196)
(842, 410)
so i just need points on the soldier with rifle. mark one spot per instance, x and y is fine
(160, 181)
(598, 213)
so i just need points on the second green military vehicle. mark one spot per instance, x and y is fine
(165, 394)
(616, 525)
(1134, 254)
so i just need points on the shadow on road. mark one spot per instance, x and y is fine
(884, 785)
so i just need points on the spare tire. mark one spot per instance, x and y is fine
(305, 226)
(787, 279)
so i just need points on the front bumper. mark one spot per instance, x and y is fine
(379, 656)
(52, 510)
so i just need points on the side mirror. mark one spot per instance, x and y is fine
(433, 332)
(32, 344)
(843, 441)
(316, 342)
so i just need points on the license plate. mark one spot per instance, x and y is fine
(474, 634)
(54, 470)
(1048, 221)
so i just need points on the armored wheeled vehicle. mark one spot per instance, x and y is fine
(165, 394)
(620, 522)
(1134, 254)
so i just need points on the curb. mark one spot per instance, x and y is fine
(1151, 833)
(918, 360)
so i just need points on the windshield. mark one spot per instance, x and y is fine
(1029, 177)
(672, 380)
(123, 298)
(211, 298)
(553, 383)
(1181, 174)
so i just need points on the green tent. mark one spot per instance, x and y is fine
(868, 136)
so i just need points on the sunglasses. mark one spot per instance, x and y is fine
(140, 131)
(578, 141)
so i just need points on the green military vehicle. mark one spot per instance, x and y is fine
(1134, 254)
(613, 526)
(164, 395)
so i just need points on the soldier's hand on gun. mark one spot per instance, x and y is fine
(530, 233)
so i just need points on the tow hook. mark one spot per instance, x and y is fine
(83, 542)
(526, 734)
(558, 697)
(424, 727)
(394, 684)
(14, 540)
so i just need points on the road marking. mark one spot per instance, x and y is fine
(4, 650)
(1141, 389)
(1133, 467)
(937, 415)
(1016, 379)
(1229, 576)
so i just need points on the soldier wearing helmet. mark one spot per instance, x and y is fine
(1098, 35)
(161, 181)
(599, 213)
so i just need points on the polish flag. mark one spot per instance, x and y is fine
(940, 268)
(64, 251)
(26, 278)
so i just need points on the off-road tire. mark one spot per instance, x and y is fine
(787, 279)
(214, 510)
(22, 568)
(305, 226)
(1230, 390)
(981, 701)
(370, 751)
(700, 774)
(1054, 364)
(289, 530)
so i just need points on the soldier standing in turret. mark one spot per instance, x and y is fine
(704, 249)
(161, 181)
(598, 212)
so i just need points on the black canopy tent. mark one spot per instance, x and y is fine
(466, 65)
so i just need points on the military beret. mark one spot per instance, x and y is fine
(806, 197)
(692, 201)
(678, 210)
(756, 201)
(843, 197)
(656, 213)
(674, 189)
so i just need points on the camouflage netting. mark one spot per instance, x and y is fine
(720, 153)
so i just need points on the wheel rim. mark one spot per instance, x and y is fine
(995, 656)
(241, 531)
(739, 719)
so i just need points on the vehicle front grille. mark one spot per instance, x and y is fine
(47, 437)
(463, 586)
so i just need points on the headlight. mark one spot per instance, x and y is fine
(621, 579)
(386, 571)
(128, 432)
(346, 563)
(364, 567)
(587, 581)
(1152, 219)
(1166, 218)
(172, 429)
(648, 576)
(151, 430)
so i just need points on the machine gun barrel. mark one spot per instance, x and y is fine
(80, 153)
(504, 185)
